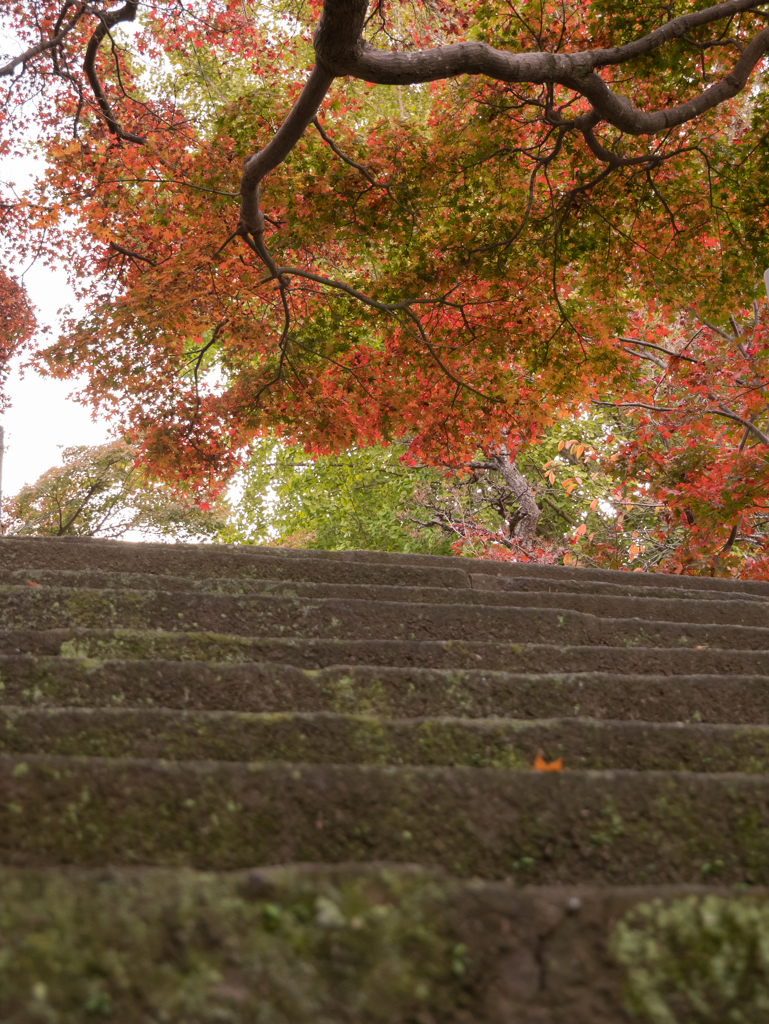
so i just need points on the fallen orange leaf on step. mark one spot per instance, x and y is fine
(541, 765)
(31, 583)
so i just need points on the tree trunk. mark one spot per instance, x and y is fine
(524, 495)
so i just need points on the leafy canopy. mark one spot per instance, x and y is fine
(437, 222)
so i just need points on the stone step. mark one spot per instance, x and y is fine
(685, 606)
(321, 943)
(323, 738)
(623, 585)
(260, 616)
(399, 692)
(170, 708)
(202, 561)
(480, 588)
(106, 644)
(569, 827)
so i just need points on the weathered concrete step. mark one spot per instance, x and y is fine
(481, 588)
(203, 561)
(540, 827)
(685, 606)
(322, 738)
(110, 644)
(199, 564)
(655, 585)
(320, 943)
(260, 616)
(400, 692)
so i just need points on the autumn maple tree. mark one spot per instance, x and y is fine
(352, 223)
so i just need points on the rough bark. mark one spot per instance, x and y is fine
(526, 529)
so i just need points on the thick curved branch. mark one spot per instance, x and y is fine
(574, 71)
(106, 22)
(341, 51)
(130, 252)
(340, 48)
(276, 151)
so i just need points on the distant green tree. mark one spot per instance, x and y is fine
(100, 492)
(337, 502)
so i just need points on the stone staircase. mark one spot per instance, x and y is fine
(244, 784)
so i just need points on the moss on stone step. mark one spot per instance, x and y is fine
(112, 644)
(696, 958)
(389, 692)
(358, 739)
(620, 827)
(608, 600)
(182, 947)
(337, 619)
(370, 944)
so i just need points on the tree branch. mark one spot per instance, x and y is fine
(277, 149)
(106, 22)
(43, 45)
(129, 252)
(659, 348)
(341, 51)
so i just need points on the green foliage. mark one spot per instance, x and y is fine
(101, 492)
(696, 960)
(336, 502)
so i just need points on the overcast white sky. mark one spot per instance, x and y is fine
(41, 416)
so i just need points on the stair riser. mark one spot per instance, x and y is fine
(317, 654)
(214, 562)
(387, 692)
(130, 665)
(46, 609)
(341, 739)
(617, 828)
(208, 561)
(594, 598)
